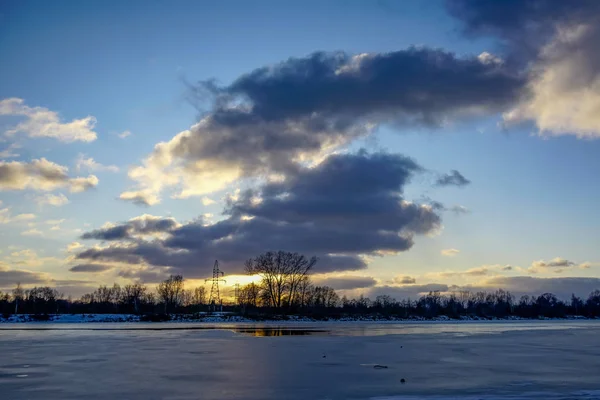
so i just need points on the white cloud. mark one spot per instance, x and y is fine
(469, 273)
(90, 164)
(6, 217)
(41, 122)
(207, 201)
(32, 232)
(557, 265)
(53, 200)
(8, 152)
(78, 185)
(190, 163)
(73, 246)
(488, 58)
(450, 252)
(42, 175)
(124, 134)
(565, 86)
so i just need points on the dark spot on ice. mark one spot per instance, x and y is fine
(402, 380)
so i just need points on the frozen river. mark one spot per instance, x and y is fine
(491, 360)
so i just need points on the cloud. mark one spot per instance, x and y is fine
(450, 252)
(90, 164)
(473, 272)
(90, 268)
(42, 175)
(143, 274)
(55, 221)
(71, 247)
(557, 265)
(346, 282)
(207, 201)
(41, 122)
(405, 280)
(556, 262)
(32, 232)
(6, 217)
(454, 178)
(300, 110)
(420, 84)
(348, 206)
(124, 134)
(555, 43)
(56, 200)
(10, 277)
(143, 225)
(77, 185)
(8, 152)
(140, 198)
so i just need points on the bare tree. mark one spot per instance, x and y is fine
(103, 294)
(170, 291)
(249, 295)
(132, 295)
(199, 296)
(281, 274)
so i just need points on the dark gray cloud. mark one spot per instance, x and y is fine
(345, 283)
(557, 262)
(90, 268)
(523, 24)
(142, 225)
(357, 192)
(347, 206)
(144, 275)
(417, 84)
(454, 178)
(10, 277)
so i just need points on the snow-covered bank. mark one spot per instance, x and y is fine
(230, 318)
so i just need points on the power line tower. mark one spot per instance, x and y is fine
(215, 297)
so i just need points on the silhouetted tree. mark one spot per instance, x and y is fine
(170, 292)
(593, 303)
(282, 274)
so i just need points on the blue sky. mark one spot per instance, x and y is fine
(532, 194)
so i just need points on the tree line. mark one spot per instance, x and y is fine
(285, 287)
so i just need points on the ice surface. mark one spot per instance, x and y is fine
(440, 361)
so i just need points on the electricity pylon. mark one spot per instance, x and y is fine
(215, 297)
(237, 293)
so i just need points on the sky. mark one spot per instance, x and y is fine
(410, 146)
